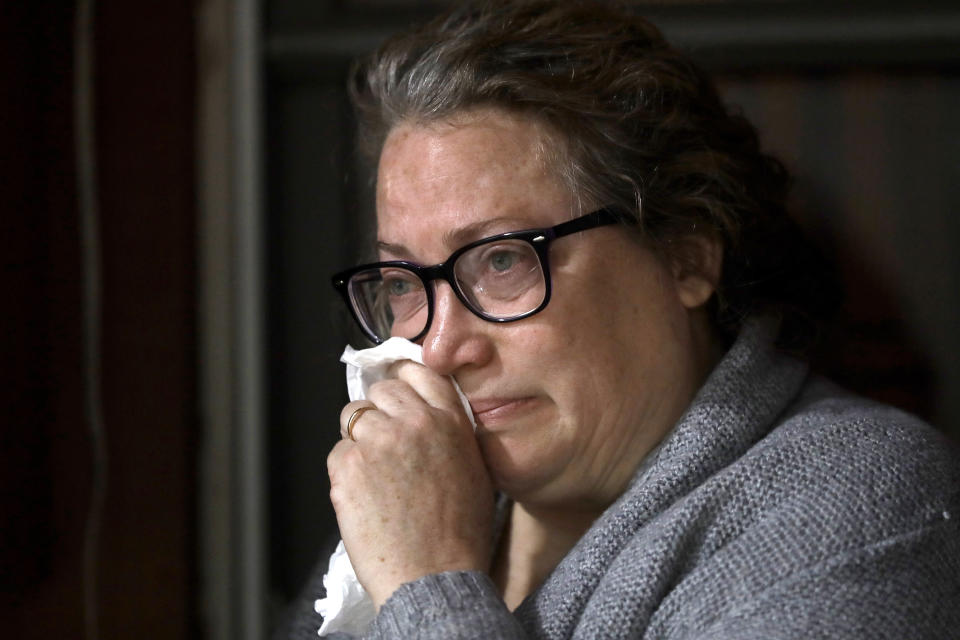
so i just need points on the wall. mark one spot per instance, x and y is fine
(144, 565)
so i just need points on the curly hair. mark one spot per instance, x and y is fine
(635, 125)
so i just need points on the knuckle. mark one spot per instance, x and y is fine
(337, 499)
(344, 470)
(387, 386)
(334, 455)
(421, 423)
(423, 416)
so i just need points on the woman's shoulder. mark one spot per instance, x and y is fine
(845, 513)
(848, 436)
(854, 468)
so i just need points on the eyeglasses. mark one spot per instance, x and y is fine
(502, 278)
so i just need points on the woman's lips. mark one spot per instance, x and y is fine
(490, 412)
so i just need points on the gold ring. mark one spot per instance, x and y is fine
(353, 420)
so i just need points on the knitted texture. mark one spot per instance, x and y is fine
(779, 507)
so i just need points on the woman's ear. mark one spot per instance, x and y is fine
(697, 265)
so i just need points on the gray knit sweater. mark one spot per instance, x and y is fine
(779, 507)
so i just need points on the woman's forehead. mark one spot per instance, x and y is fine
(491, 145)
(476, 176)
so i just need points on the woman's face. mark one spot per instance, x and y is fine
(567, 401)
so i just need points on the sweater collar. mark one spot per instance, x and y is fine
(736, 406)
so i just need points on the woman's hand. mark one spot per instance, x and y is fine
(410, 490)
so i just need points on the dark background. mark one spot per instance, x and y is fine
(861, 101)
(145, 75)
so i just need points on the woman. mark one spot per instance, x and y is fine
(663, 469)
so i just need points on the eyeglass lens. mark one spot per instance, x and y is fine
(499, 280)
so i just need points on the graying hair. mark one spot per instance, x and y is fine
(635, 125)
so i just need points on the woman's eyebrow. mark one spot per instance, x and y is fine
(456, 238)
(482, 229)
(397, 251)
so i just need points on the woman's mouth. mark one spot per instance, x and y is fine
(492, 412)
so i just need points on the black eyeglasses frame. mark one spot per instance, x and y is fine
(539, 239)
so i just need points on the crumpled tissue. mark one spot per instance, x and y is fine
(347, 607)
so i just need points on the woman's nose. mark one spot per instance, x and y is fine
(456, 337)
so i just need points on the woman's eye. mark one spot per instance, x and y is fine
(398, 286)
(503, 260)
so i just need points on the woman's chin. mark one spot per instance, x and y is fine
(517, 466)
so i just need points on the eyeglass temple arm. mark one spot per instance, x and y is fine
(598, 218)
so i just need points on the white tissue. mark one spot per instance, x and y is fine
(347, 607)
(367, 366)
